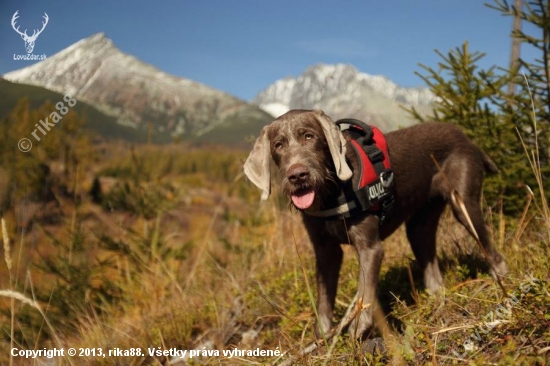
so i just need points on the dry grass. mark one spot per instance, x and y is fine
(186, 258)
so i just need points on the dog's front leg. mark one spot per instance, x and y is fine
(370, 253)
(328, 258)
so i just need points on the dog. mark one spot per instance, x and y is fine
(434, 164)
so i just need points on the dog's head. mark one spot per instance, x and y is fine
(309, 150)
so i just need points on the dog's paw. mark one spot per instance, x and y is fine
(361, 325)
(499, 268)
(435, 288)
(433, 279)
(374, 347)
(322, 328)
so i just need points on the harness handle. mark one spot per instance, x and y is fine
(359, 127)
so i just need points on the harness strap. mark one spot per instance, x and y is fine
(374, 194)
(376, 197)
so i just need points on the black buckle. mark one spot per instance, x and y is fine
(375, 155)
(388, 203)
(386, 209)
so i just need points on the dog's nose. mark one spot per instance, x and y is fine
(297, 173)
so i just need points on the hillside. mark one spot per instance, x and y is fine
(169, 250)
(137, 94)
(105, 126)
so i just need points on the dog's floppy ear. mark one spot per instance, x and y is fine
(256, 166)
(336, 144)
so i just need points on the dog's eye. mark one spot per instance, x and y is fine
(278, 144)
(308, 136)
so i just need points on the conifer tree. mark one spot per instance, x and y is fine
(464, 93)
(497, 117)
(28, 175)
(532, 77)
(529, 108)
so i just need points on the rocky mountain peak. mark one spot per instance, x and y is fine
(342, 90)
(95, 71)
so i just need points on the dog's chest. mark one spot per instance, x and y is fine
(335, 229)
(346, 231)
(340, 230)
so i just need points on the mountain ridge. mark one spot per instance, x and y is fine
(136, 93)
(341, 90)
(140, 96)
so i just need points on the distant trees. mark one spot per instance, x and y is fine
(66, 147)
(23, 172)
(498, 117)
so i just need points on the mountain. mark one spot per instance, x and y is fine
(94, 71)
(343, 91)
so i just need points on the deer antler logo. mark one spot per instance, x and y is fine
(29, 40)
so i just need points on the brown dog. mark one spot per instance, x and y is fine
(315, 159)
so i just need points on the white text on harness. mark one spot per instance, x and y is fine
(376, 190)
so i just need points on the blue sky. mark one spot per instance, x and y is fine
(242, 46)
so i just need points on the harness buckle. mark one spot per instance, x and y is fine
(375, 155)
(386, 178)
(386, 209)
(388, 203)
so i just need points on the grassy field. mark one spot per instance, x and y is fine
(168, 248)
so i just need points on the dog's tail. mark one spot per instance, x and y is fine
(488, 163)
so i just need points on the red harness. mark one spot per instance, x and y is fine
(374, 191)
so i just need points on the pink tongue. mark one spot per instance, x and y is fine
(303, 200)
